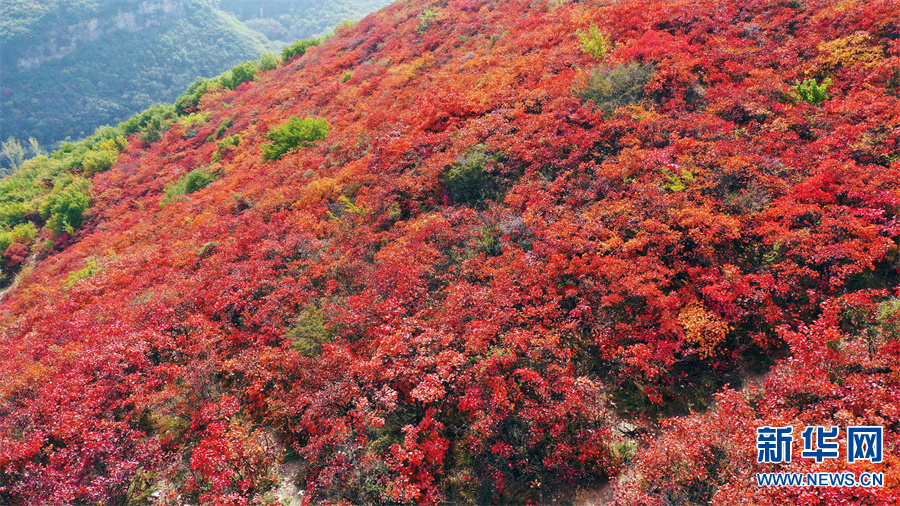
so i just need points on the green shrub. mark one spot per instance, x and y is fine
(66, 208)
(6, 240)
(618, 86)
(23, 233)
(13, 152)
(299, 48)
(106, 137)
(811, 92)
(159, 115)
(99, 161)
(194, 180)
(220, 130)
(487, 241)
(207, 248)
(348, 75)
(191, 98)
(347, 23)
(310, 333)
(594, 42)
(231, 140)
(467, 181)
(89, 270)
(293, 133)
(226, 145)
(151, 123)
(349, 208)
(888, 318)
(194, 119)
(425, 19)
(676, 182)
(36, 149)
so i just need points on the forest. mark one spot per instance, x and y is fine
(472, 252)
(67, 68)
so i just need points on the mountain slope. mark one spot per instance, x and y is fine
(69, 67)
(283, 22)
(77, 70)
(531, 232)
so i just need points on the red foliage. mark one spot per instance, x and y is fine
(364, 313)
(14, 255)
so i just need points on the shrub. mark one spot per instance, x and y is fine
(621, 85)
(425, 19)
(293, 133)
(151, 123)
(66, 208)
(888, 317)
(99, 161)
(238, 75)
(310, 332)
(36, 149)
(89, 270)
(811, 92)
(23, 233)
(299, 48)
(231, 140)
(14, 153)
(188, 102)
(226, 145)
(677, 182)
(106, 137)
(468, 183)
(220, 130)
(194, 180)
(193, 119)
(156, 119)
(594, 42)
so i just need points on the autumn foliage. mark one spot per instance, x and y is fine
(508, 267)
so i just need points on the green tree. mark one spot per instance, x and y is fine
(268, 61)
(14, 153)
(36, 147)
(299, 48)
(238, 75)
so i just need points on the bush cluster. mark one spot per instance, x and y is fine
(296, 132)
(618, 86)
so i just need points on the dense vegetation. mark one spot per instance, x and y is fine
(283, 22)
(123, 70)
(68, 67)
(471, 252)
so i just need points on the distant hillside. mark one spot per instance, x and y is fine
(68, 67)
(475, 252)
(283, 21)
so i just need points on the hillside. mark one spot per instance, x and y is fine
(68, 67)
(284, 21)
(472, 252)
